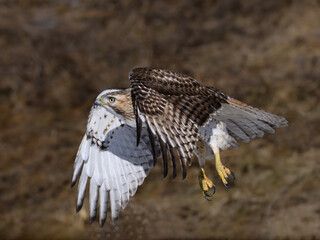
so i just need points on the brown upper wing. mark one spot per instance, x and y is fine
(173, 106)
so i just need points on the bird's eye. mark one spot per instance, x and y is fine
(112, 99)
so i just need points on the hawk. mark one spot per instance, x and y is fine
(163, 114)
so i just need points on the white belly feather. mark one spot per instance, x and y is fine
(214, 135)
(219, 136)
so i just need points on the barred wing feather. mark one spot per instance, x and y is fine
(173, 106)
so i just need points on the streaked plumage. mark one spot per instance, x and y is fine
(161, 113)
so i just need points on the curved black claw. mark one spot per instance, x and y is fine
(230, 179)
(234, 176)
(214, 189)
(209, 194)
(207, 197)
(226, 185)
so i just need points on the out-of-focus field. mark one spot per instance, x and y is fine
(57, 55)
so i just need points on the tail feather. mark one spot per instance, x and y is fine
(245, 122)
(269, 118)
(236, 132)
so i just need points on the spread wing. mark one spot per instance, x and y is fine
(245, 122)
(173, 106)
(109, 157)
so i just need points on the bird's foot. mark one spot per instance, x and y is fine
(226, 175)
(207, 186)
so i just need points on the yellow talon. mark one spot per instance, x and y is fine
(227, 170)
(223, 172)
(206, 184)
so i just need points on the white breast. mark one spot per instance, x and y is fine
(215, 134)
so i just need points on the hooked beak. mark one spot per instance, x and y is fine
(97, 102)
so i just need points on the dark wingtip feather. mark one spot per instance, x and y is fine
(165, 169)
(102, 221)
(189, 161)
(173, 160)
(184, 172)
(78, 208)
(139, 127)
(164, 156)
(174, 174)
(183, 162)
(72, 184)
(183, 169)
(153, 145)
(92, 218)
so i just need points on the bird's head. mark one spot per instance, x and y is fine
(117, 101)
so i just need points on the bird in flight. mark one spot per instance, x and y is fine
(163, 114)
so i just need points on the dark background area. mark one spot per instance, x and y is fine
(57, 55)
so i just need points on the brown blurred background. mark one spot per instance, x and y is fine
(57, 55)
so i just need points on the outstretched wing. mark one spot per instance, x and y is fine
(109, 157)
(245, 122)
(173, 106)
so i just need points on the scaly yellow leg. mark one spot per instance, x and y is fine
(206, 184)
(223, 172)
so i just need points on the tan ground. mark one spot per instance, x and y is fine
(56, 56)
